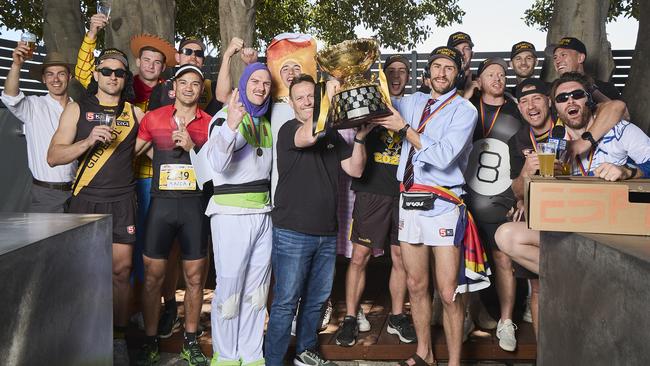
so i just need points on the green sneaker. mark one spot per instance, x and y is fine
(193, 355)
(149, 355)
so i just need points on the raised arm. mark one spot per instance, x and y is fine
(355, 164)
(224, 88)
(83, 70)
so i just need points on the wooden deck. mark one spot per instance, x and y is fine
(376, 344)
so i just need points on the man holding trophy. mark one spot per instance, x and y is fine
(437, 135)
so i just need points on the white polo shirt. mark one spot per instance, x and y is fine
(40, 114)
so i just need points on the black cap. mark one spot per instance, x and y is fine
(571, 44)
(534, 85)
(187, 40)
(492, 61)
(397, 58)
(449, 53)
(520, 47)
(458, 38)
(184, 69)
(115, 54)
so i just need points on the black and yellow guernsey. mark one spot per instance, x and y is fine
(105, 172)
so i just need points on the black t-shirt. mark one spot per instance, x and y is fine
(518, 144)
(380, 173)
(305, 198)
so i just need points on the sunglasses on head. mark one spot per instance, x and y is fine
(119, 73)
(189, 52)
(576, 94)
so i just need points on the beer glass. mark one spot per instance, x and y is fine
(107, 120)
(546, 155)
(104, 7)
(30, 39)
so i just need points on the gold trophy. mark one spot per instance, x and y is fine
(359, 99)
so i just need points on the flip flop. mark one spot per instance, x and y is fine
(418, 361)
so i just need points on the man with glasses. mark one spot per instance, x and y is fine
(622, 153)
(40, 116)
(99, 131)
(190, 51)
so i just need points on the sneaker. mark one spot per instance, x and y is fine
(468, 327)
(348, 332)
(168, 323)
(528, 315)
(402, 326)
(327, 315)
(312, 358)
(506, 334)
(149, 355)
(193, 355)
(362, 322)
(120, 352)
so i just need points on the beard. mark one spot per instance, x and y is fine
(442, 89)
(585, 116)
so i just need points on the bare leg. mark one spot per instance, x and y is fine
(446, 270)
(520, 243)
(416, 262)
(193, 271)
(170, 283)
(534, 304)
(355, 279)
(505, 283)
(122, 254)
(397, 282)
(154, 272)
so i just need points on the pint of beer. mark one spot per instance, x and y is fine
(30, 39)
(546, 156)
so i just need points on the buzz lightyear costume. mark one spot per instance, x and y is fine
(240, 163)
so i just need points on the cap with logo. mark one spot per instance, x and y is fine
(187, 40)
(571, 43)
(492, 61)
(459, 37)
(115, 54)
(397, 58)
(184, 69)
(449, 53)
(520, 47)
(534, 86)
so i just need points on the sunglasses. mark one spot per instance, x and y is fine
(576, 94)
(119, 73)
(190, 52)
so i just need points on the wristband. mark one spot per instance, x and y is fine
(633, 170)
(402, 132)
(358, 141)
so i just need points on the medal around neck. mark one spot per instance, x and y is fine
(359, 99)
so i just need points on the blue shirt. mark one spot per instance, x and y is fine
(446, 144)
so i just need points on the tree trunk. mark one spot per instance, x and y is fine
(237, 19)
(63, 30)
(63, 27)
(130, 17)
(585, 20)
(636, 92)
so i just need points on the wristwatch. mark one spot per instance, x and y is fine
(587, 136)
(632, 169)
(402, 132)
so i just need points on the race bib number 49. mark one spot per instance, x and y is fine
(177, 177)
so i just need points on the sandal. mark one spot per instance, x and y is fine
(418, 361)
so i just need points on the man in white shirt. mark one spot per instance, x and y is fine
(40, 114)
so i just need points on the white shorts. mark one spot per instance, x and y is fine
(428, 230)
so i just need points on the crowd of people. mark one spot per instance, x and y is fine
(438, 184)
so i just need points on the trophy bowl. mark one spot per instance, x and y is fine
(359, 100)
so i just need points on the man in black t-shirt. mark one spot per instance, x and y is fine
(569, 55)
(488, 181)
(305, 225)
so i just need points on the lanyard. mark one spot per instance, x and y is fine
(584, 172)
(494, 119)
(440, 107)
(546, 135)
